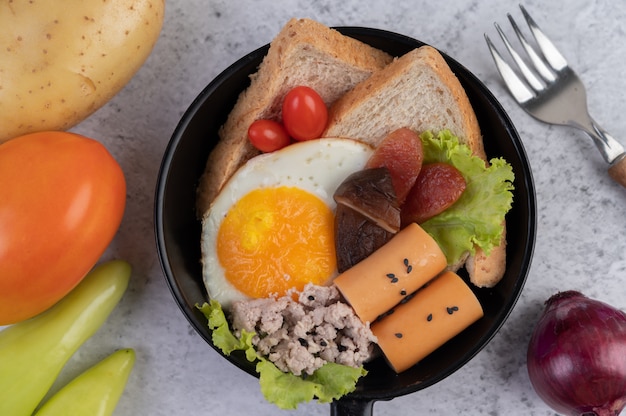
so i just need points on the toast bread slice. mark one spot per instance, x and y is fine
(305, 52)
(417, 90)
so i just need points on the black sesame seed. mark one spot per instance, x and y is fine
(407, 298)
(394, 280)
(406, 262)
(452, 309)
(311, 298)
(391, 275)
(403, 292)
(398, 335)
(341, 348)
(409, 269)
(303, 342)
(323, 343)
(429, 317)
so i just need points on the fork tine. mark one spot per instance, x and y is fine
(532, 80)
(537, 61)
(550, 52)
(518, 89)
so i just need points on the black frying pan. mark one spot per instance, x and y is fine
(178, 231)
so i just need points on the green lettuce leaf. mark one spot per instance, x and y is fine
(477, 217)
(221, 336)
(335, 380)
(285, 390)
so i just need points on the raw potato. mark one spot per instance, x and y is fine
(62, 60)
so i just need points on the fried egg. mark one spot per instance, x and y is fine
(271, 228)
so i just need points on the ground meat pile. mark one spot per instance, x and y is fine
(301, 336)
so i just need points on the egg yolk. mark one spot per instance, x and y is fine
(275, 239)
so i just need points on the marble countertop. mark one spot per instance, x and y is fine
(581, 236)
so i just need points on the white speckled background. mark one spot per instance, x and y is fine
(581, 239)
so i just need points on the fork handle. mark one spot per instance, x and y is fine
(617, 170)
(612, 151)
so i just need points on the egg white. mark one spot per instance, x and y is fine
(316, 166)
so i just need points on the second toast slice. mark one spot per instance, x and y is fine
(418, 91)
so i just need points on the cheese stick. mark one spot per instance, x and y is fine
(400, 267)
(434, 315)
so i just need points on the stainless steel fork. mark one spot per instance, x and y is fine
(551, 91)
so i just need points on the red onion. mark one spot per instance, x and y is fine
(577, 356)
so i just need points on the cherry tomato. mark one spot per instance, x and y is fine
(268, 135)
(304, 113)
(63, 198)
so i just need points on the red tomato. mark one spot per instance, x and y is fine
(63, 198)
(268, 135)
(304, 113)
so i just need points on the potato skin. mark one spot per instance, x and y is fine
(62, 60)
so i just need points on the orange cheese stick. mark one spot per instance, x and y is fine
(400, 267)
(434, 315)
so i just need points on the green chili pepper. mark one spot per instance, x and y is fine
(96, 391)
(33, 352)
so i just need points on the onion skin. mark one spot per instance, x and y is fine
(577, 356)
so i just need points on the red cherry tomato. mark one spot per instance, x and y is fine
(63, 197)
(268, 135)
(304, 113)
